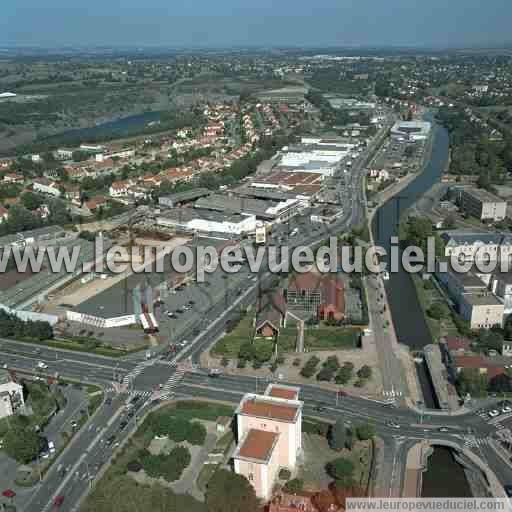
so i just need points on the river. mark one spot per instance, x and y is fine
(444, 476)
(118, 128)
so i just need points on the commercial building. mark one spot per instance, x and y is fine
(411, 130)
(482, 204)
(11, 394)
(265, 210)
(269, 429)
(207, 222)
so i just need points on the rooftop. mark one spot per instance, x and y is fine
(282, 391)
(482, 299)
(257, 445)
(270, 409)
(484, 195)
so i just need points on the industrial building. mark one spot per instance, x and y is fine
(180, 198)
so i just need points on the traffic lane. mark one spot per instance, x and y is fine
(65, 369)
(502, 470)
(87, 469)
(349, 404)
(332, 414)
(101, 426)
(40, 352)
(28, 360)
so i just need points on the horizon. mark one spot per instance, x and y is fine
(227, 24)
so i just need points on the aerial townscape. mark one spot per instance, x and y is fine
(146, 132)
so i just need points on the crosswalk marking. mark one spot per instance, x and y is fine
(392, 393)
(473, 442)
(137, 370)
(172, 382)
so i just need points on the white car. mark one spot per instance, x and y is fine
(506, 409)
(494, 413)
(42, 365)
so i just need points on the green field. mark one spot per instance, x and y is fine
(229, 345)
(331, 338)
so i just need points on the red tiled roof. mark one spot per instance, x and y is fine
(470, 362)
(258, 445)
(268, 409)
(456, 343)
(282, 392)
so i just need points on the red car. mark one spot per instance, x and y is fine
(59, 500)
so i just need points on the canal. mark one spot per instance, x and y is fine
(444, 476)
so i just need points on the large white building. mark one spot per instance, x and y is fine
(194, 220)
(411, 130)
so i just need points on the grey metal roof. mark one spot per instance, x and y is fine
(37, 234)
(469, 238)
(38, 282)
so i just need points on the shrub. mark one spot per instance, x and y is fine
(293, 486)
(285, 474)
(296, 361)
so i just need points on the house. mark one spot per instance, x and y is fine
(46, 186)
(457, 345)
(321, 294)
(120, 188)
(96, 202)
(151, 181)
(4, 214)
(72, 192)
(270, 315)
(269, 432)
(11, 394)
(478, 363)
(12, 177)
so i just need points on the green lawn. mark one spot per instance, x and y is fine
(287, 340)
(230, 344)
(331, 338)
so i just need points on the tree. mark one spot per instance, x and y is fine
(294, 486)
(31, 200)
(471, 381)
(437, 311)
(345, 373)
(338, 435)
(365, 431)
(22, 444)
(342, 470)
(365, 372)
(230, 492)
(450, 221)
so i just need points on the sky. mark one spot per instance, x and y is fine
(227, 23)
